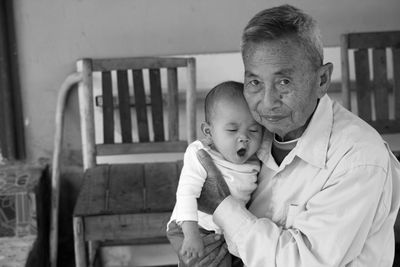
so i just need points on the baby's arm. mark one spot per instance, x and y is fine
(192, 246)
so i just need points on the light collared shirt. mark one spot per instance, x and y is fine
(332, 201)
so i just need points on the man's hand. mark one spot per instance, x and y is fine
(215, 248)
(215, 189)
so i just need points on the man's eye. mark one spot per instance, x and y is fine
(284, 82)
(254, 82)
(231, 130)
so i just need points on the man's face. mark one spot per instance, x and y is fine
(281, 86)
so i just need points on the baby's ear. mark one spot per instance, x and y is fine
(206, 129)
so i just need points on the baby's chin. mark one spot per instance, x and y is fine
(237, 159)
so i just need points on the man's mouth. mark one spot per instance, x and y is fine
(241, 152)
(274, 118)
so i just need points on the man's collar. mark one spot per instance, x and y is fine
(313, 144)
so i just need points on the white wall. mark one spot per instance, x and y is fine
(53, 34)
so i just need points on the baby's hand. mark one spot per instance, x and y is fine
(191, 249)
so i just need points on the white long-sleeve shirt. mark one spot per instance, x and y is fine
(240, 178)
(333, 200)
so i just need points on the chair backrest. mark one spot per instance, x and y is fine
(378, 97)
(132, 89)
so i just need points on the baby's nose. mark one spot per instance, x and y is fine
(243, 139)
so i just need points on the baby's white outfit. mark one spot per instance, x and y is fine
(240, 178)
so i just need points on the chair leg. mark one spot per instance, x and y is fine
(79, 243)
(93, 249)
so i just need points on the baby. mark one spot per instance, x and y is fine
(232, 139)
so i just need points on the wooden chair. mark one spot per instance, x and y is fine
(377, 97)
(129, 203)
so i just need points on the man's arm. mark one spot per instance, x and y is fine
(331, 229)
(215, 189)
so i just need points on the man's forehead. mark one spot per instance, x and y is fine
(278, 71)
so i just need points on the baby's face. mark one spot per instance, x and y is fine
(234, 132)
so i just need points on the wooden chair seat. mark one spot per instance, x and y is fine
(134, 192)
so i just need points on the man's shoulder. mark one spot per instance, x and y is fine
(356, 139)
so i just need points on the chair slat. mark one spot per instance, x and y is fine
(344, 53)
(374, 39)
(363, 84)
(108, 108)
(140, 148)
(386, 126)
(191, 101)
(156, 105)
(173, 105)
(380, 84)
(396, 82)
(138, 63)
(140, 104)
(124, 106)
(141, 226)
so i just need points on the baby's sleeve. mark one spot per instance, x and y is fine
(190, 184)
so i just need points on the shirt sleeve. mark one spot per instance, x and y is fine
(327, 231)
(189, 188)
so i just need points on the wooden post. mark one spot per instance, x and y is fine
(191, 100)
(87, 114)
(18, 116)
(79, 243)
(173, 105)
(7, 133)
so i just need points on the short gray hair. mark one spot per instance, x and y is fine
(285, 21)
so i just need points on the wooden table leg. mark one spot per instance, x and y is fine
(79, 243)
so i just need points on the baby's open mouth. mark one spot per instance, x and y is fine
(241, 152)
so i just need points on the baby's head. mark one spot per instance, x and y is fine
(229, 125)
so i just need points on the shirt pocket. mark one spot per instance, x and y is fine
(292, 211)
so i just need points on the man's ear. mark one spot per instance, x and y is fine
(324, 81)
(206, 129)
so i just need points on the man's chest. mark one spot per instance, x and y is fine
(284, 192)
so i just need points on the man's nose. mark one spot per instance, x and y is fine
(271, 98)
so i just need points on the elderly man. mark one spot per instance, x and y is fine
(328, 190)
